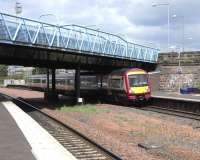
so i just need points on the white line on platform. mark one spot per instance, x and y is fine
(44, 146)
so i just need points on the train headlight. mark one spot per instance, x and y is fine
(148, 89)
(131, 91)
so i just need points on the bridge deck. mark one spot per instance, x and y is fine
(17, 30)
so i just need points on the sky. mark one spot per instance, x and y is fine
(135, 20)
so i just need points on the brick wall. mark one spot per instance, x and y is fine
(170, 74)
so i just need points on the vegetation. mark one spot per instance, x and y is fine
(3, 73)
(3, 70)
(87, 108)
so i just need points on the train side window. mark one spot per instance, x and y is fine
(60, 81)
(116, 83)
(71, 81)
(36, 80)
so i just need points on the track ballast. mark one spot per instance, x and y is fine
(79, 145)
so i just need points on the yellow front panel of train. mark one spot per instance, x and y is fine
(139, 90)
(136, 72)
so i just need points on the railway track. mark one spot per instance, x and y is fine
(79, 145)
(174, 112)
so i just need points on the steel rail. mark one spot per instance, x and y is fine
(21, 102)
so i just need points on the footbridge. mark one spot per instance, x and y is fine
(33, 43)
(28, 42)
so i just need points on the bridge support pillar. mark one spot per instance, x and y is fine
(101, 81)
(53, 80)
(51, 94)
(79, 100)
(47, 80)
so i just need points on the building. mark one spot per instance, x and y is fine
(19, 70)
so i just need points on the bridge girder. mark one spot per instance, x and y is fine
(12, 54)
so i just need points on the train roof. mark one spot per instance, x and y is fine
(125, 70)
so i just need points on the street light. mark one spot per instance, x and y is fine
(44, 15)
(49, 14)
(122, 35)
(89, 26)
(179, 69)
(183, 29)
(92, 26)
(168, 13)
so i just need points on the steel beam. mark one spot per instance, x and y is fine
(77, 85)
(47, 80)
(53, 70)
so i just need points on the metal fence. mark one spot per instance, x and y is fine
(72, 37)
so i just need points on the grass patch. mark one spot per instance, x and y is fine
(87, 108)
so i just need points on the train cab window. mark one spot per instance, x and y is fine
(137, 80)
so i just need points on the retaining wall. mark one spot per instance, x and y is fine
(172, 76)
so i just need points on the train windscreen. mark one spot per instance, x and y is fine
(137, 80)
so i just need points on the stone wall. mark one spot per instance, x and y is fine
(154, 79)
(172, 76)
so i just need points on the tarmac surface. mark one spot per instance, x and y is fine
(13, 144)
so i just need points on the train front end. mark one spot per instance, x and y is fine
(138, 86)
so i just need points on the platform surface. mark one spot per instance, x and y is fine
(43, 145)
(13, 145)
(176, 96)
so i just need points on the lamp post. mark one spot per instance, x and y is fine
(168, 17)
(90, 26)
(183, 46)
(179, 69)
(49, 14)
(183, 30)
(122, 35)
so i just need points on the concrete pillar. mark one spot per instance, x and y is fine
(53, 81)
(101, 79)
(47, 80)
(51, 95)
(77, 86)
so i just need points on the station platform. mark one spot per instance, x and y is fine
(22, 138)
(14, 145)
(176, 96)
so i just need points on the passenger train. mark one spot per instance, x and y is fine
(63, 81)
(123, 86)
(129, 85)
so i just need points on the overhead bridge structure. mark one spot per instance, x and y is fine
(29, 42)
(33, 43)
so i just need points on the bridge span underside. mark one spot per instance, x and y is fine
(37, 56)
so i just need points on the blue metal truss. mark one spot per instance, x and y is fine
(71, 37)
